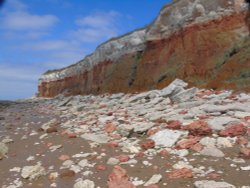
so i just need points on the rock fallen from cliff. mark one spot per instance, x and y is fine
(33, 172)
(212, 184)
(84, 184)
(3, 150)
(150, 142)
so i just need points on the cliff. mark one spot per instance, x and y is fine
(205, 43)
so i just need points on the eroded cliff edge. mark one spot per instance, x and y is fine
(206, 43)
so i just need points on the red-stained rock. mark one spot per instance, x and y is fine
(198, 128)
(64, 132)
(49, 144)
(109, 113)
(109, 128)
(163, 152)
(122, 158)
(197, 147)
(101, 167)
(139, 155)
(247, 118)
(180, 173)
(182, 112)
(115, 136)
(160, 121)
(148, 144)
(155, 168)
(64, 157)
(203, 117)
(213, 175)
(245, 152)
(174, 125)
(113, 144)
(72, 135)
(153, 131)
(242, 140)
(119, 179)
(234, 130)
(187, 143)
(202, 94)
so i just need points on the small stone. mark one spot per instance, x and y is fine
(15, 169)
(245, 152)
(122, 158)
(175, 125)
(113, 161)
(153, 180)
(84, 163)
(64, 157)
(234, 130)
(163, 152)
(187, 143)
(54, 148)
(7, 140)
(153, 131)
(51, 130)
(33, 172)
(67, 164)
(212, 184)
(148, 144)
(214, 175)
(53, 176)
(180, 173)
(245, 168)
(84, 184)
(101, 168)
(30, 158)
(67, 173)
(139, 155)
(113, 144)
(197, 147)
(213, 152)
(218, 123)
(98, 138)
(119, 179)
(3, 150)
(208, 142)
(167, 137)
(198, 128)
(224, 142)
(241, 140)
(72, 135)
(109, 127)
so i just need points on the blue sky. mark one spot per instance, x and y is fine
(38, 35)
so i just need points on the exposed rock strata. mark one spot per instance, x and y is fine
(203, 42)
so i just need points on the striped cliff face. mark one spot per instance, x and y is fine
(203, 42)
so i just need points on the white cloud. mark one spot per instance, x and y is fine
(99, 19)
(92, 35)
(63, 59)
(50, 45)
(27, 35)
(21, 73)
(97, 27)
(17, 5)
(21, 20)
